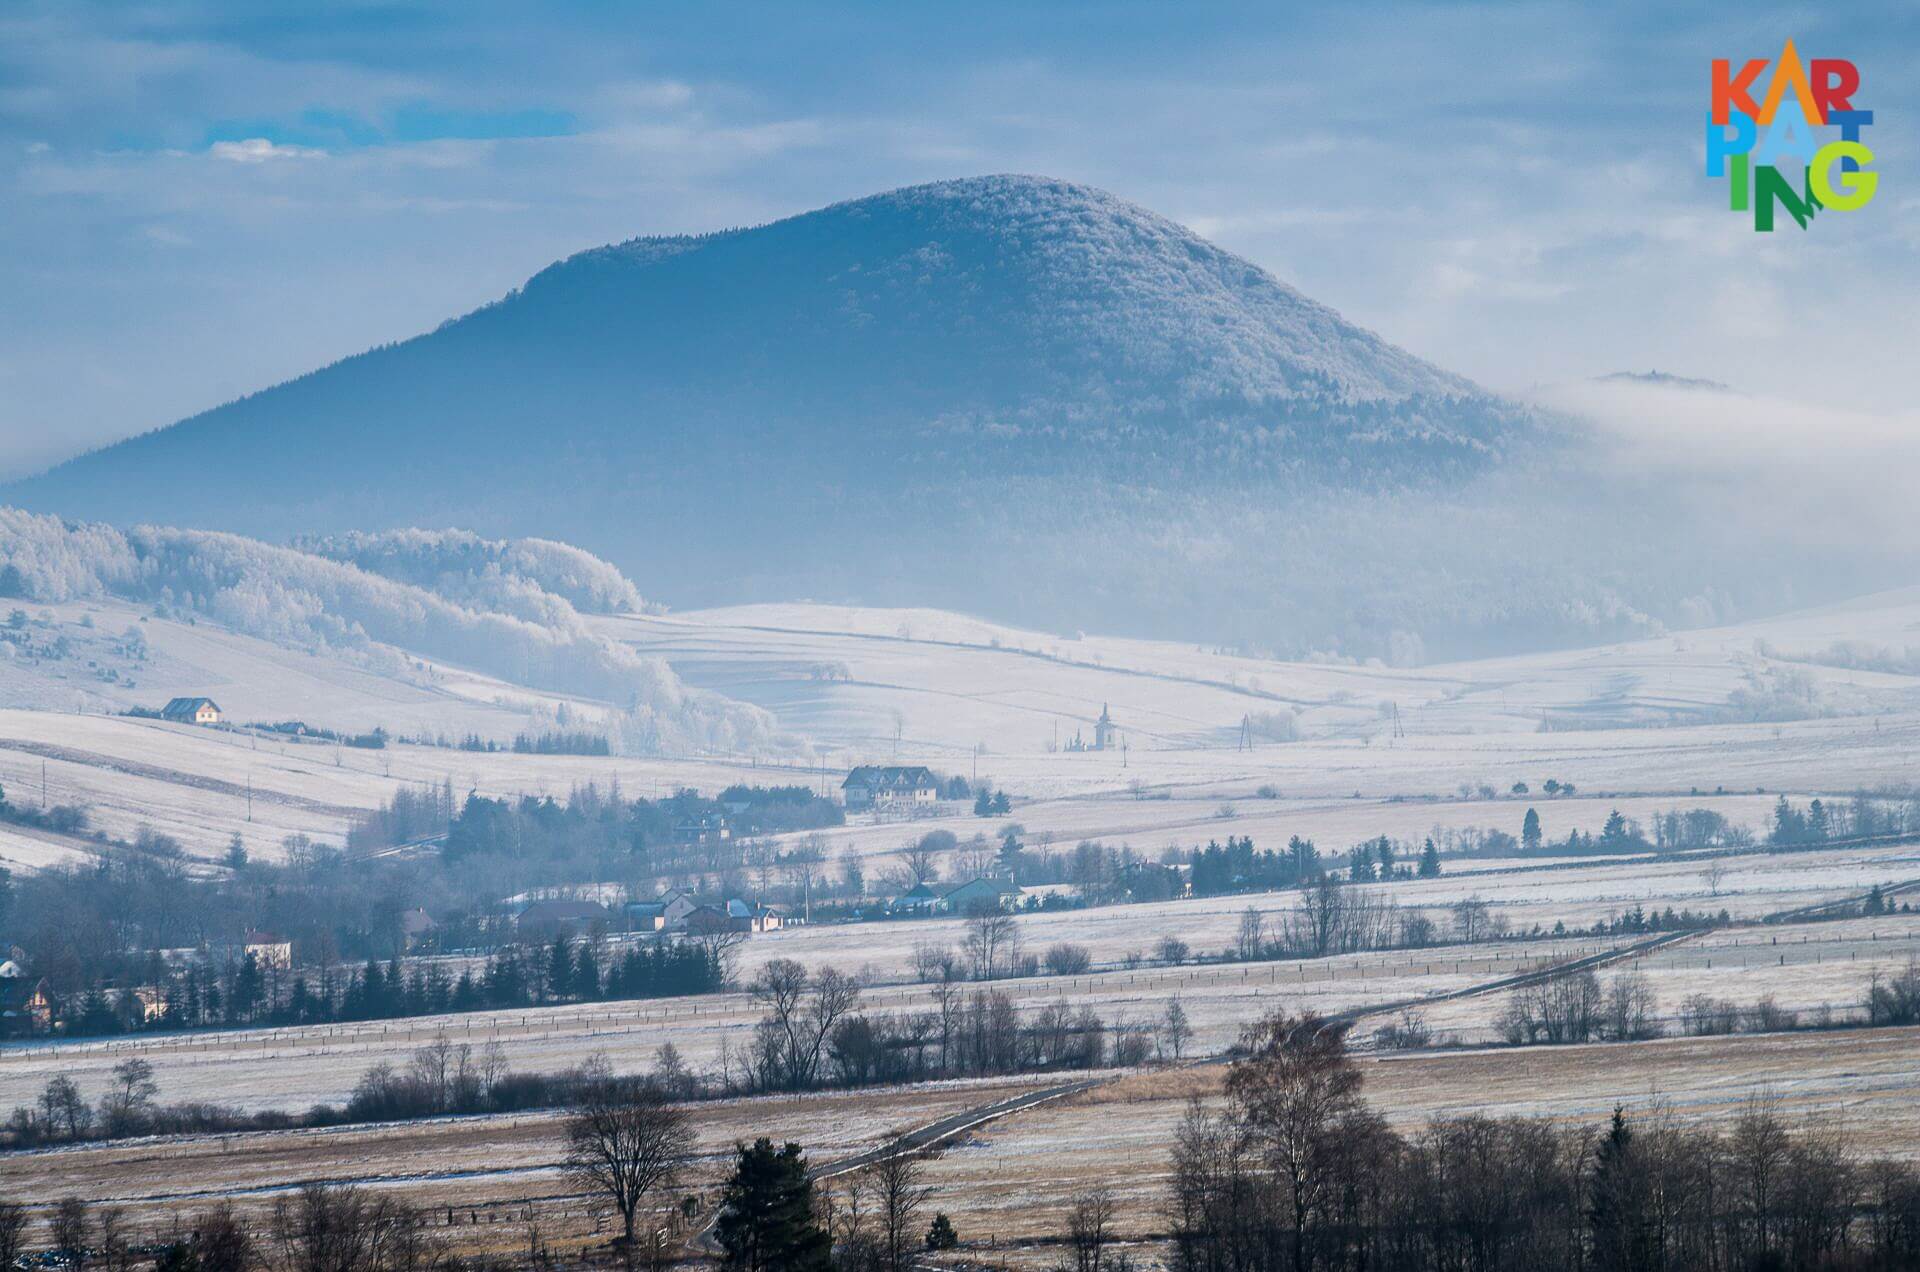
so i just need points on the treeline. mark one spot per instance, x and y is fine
(443, 1077)
(559, 742)
(815, 1033)
(1824, 821)
(598, 835)
(1298, 1173)
(1236, 866)
(245, 991)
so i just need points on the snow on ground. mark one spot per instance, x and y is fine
(252, 679)
(948, 683)
(491, 1168)
(297, 1067)
(204, 785)
(1808, 968)
(1017, 1177)
(1384, 750)
(23, 848)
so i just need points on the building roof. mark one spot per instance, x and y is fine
(264, 938)
(561, 911)
(15, 993)
(998, 887)
(891, 777)
(187, 706)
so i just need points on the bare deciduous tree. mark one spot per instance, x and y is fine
(802, 1010)
(1175, 1032)
(1090, 1228)
(13, 1233)
(992, 943)
(898, 1197)
(625, 1142)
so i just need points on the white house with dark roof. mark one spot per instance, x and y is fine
(192, 711)
(890, 788)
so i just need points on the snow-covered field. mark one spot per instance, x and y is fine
(298, 1067)
(1380, 749)
(947, 683)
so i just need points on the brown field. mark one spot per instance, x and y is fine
(1016, 1178)
(1007, 1185)
(485, 1180)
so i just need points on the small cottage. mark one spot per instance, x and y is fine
(192, 711)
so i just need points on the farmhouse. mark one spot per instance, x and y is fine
(665, 913)
(890, 788)
(707, 828)
(980, 895)
(269, 949)
(646, 916)
(416, 925)
(192, 711)
(919, 899)
(561, 918)
(26, 1006)
(752, 916)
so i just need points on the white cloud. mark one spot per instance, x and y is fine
(1805, 471)
(258, 150)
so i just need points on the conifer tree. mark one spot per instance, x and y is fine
(766, 1219)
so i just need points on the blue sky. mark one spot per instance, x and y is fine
(203, 199)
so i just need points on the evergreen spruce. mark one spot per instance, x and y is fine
(766, 1219)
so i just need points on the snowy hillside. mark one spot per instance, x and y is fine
(948, 683)
(466, 618)
(888, 400)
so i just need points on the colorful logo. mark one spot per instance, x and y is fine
(1776, 154)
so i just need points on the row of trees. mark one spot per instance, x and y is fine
(814, 1033)
(1298, 1173)
(245, 991)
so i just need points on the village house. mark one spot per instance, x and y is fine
(752, 916)
(678, 911)
(707, 828)
(548, 919)
(665, 913)
(706, 920)
(646, 916)
(892, 788)
(26, 1006)
(416, 925)
(192, 711)
(921, 898)
(269, 949)
(981, 895)
(150, 1001)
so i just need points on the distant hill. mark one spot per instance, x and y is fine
(1661, 379)
(877, 401)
